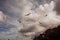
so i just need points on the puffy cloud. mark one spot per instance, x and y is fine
(40, 19)
(2, 17)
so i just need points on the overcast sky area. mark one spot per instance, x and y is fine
(10, 15)
(8, 18)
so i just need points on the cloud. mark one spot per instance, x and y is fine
(40, 19)
(2, 17)
(28, 17)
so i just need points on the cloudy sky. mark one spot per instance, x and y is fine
(10, 16)
(10, 11)
(8, 19)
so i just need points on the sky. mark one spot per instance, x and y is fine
(13, 12)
